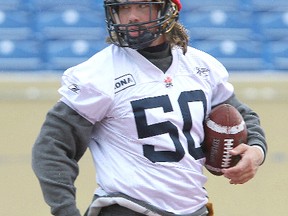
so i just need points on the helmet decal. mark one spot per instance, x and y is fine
(178, 3)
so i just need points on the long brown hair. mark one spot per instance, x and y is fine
(178, 36)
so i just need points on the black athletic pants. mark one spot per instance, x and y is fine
(117, 210)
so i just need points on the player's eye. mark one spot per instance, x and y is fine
(122, 7)
(143, 5)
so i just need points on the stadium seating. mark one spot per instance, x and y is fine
(269, 5)
(70, 24)
(209, 5)
(234, 55)
(15, 25)
(15, 5)
(42, 34)
(273, 25)
(20, 55)
(277, 55)
(48, 5)
(62, 54)
(219, 24)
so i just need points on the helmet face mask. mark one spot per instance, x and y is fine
(139, 35)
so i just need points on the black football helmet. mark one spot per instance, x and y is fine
(168, 14)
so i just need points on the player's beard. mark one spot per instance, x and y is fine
(139, 38)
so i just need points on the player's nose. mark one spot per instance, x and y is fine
(132, 14)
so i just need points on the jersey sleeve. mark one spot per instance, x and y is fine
(222, 89)
(217, 75)
(87, 90)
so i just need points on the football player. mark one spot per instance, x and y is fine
(139, 106)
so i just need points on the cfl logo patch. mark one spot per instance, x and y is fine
(168, 82)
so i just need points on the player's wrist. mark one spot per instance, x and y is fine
(70, 210)
(261, 154)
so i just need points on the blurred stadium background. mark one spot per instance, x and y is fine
(39, 39)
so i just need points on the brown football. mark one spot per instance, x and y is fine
(224, 130)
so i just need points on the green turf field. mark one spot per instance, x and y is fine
(24, 103)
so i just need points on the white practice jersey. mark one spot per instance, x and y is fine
(148, 129)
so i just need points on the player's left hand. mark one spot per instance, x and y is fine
(252, 157)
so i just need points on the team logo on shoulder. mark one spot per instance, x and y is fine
(203, 72)
(124, 82)
(74, 87)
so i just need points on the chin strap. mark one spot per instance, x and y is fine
(141, 42)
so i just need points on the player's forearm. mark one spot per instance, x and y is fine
(256, 134)
(55, 155)
(59, 196)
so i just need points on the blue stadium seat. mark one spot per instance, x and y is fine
(46, 5)
(70, 24)
(13, 5)
(15, 25)
(62, 54)
(20, 55)
(219, 24)
(277, 55)
(273, 25)
(208, 5)
(269, 5)
(234, 55)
